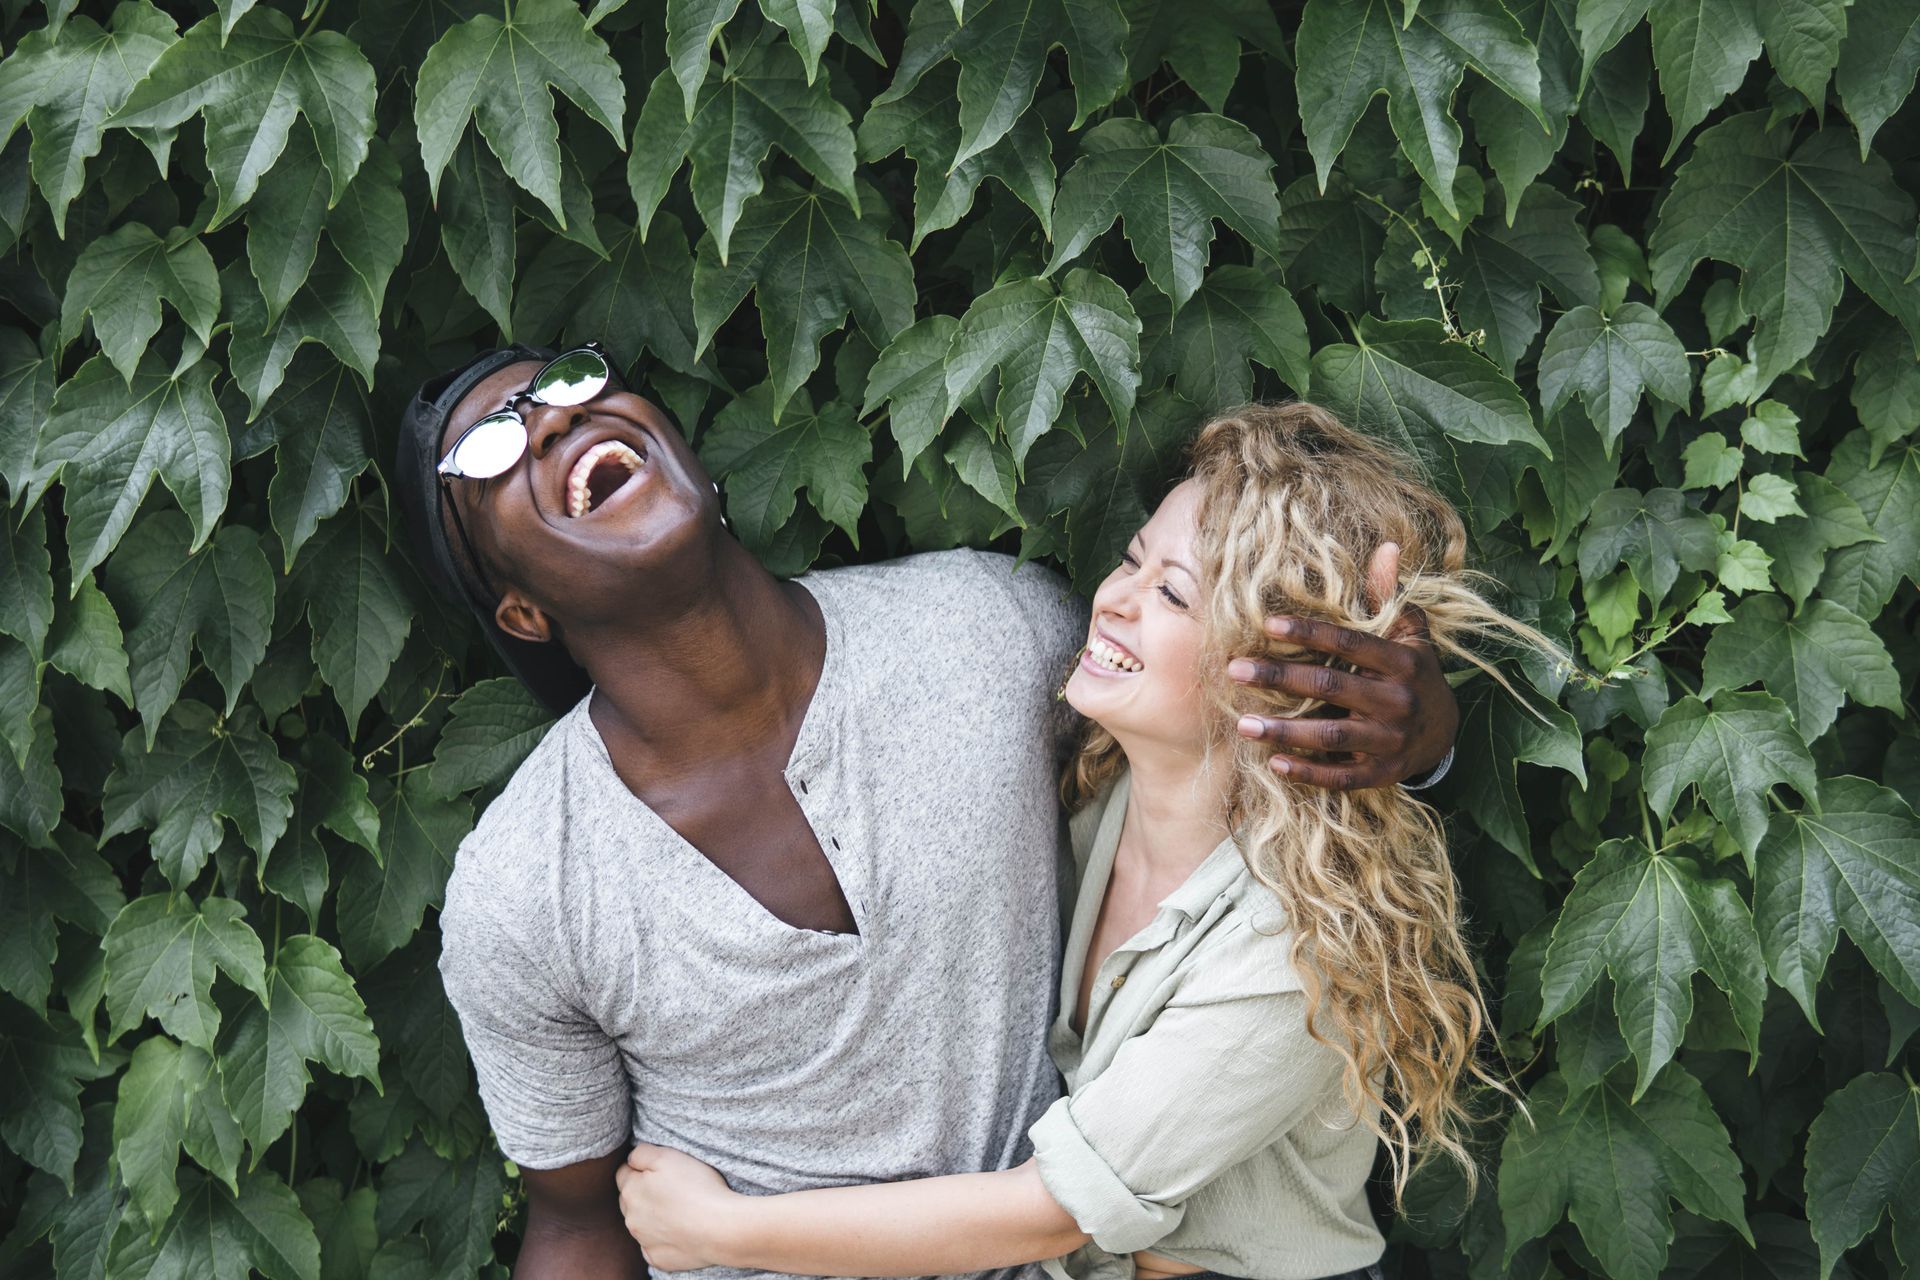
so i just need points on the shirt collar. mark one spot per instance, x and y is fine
(1207, 883)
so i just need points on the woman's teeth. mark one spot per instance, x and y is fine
(1110, 657)
(580, 493)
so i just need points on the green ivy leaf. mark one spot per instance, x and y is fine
(1846, 862)
(419, 1027)
(1239, 317)
(1497, 735)
(331, 797)
(1799, 544)
(1577, 474)
(1710, 462)
(249, 86)
(198, 770)
(1773, 428)
(344, 1224)
(66, 881)
(220, 598)
(1652, 921)
(354, 601)
(1405, 382)
(639, 299)
(810, 261)
(1863, 1163)
(86, 642)
(1803, 41)
(107, 440)
(1877, 64)
(1886, 390)
(763, 101)
(1201, 42)
(319, 426)
(26, 580)
(456, 1203)
(120, 281)
(1169, 193)
(1348, 52)
(150, 1121)
(215, 1234)
(1613, 1163)
(501, 74)
(763, 463)
(1793, 218)
(161, 953)
(42, 1064)
(1609, 360)
(1702, 48)
(1812, 661)
(1328, 241)
(1768, 498)
(312, 1014)
(493, 725)
(333, 307)
(1734, 752)
(65, 81)
(1864, 576)
(383, 896)
(910, 378)
(1039, 336)
(692, 26)
(1657, 534)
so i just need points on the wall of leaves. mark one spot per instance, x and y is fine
(1635, 281)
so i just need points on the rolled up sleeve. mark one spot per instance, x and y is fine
(1226, 1069)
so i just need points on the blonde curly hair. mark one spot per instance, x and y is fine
(1292, 507)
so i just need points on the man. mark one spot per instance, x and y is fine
(782, 892)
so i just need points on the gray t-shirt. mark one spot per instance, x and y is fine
(615, 986)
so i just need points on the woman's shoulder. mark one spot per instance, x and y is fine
(1248, 948)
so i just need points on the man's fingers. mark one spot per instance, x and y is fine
(1383, 574)
(1359, 694)
(1327, 775)
(1357, 648)
(1344, 734)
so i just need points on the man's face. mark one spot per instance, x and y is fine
(604, 496)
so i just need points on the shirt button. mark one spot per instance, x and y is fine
(1119, 981)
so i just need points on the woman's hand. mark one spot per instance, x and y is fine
(675, 1206)
(1391, 719)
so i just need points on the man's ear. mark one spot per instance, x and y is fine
(522, 619)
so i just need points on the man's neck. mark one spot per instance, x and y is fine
(733, 665)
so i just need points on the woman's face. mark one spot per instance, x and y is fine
(1139, 675)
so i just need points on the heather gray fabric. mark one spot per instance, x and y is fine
(614, 985)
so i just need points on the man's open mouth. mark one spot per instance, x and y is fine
(600, 473)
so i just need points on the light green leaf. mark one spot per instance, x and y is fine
(763, 101)
(1702, 48)
(810, 261)
(985, 468)
(763, 464)
(1658, 534)
(1039, 336)
(1812, 661)
(1239, 317)
(1863, 1162)
(383, 897)
(86, 642)
(1768, 498)
(1799, 544)
(151, 1120)
(1613, 1165)
(1349, 51)
(1169, 194)
(492, 727)
(1793, 218)
(501, 73)
(1711, 463)
(1733, 752)
(1877, 63)
(107, 440)
(1726, 381)
(910, 378)
(65, 81)
(1652, 921)
(1743, 566)
(1850, 860)
(249, 86)
(312, 1014)
(1773, 428)
(1608, 360)
(220, 598)
(161, 954)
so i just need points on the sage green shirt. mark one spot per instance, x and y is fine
(1202, 1121)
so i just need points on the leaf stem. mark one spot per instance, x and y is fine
(314, 21)
(366, 761)
(1432, 263)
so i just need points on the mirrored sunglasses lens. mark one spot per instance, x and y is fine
(493, 445)
(575, 378)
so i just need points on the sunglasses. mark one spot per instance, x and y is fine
(492, 445)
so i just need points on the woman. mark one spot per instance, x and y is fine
(1262, 980)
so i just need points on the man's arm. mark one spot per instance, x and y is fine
(574, 1227)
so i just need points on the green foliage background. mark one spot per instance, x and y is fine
(1636, 287)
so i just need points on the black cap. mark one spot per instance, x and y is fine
(547, 670)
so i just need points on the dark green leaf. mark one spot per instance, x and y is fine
(493, 725)
(383, 896)
(1813, 661)
(354, 601)
(120, 281)
(1608, 360)
(161, 953)
(763, 463)
(1863, 1162)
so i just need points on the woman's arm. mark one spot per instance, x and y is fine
(683, 1215)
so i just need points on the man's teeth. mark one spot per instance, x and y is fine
(1110, 657)
(579, 493)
